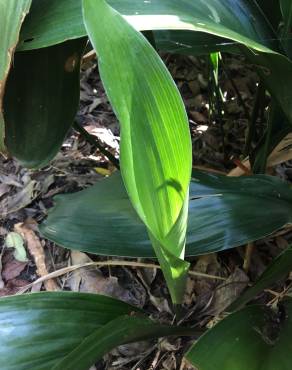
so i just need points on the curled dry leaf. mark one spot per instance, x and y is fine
(21, 199)
(91, 280)
(12, 268)
(36, 250)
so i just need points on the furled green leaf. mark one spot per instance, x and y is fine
(278, 269)
(155, 146)
(255, 338)
(224, 213)
(41, 100)
(41, 330)
(12, 14)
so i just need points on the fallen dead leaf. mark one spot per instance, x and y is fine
(227, 292)
(12, 287)
(91, 280)
(21, 199)
(11, 267)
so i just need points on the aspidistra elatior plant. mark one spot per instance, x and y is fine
(155, 166)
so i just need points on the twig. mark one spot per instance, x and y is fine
(68, 269)
(240, 99)
(36, 250)
(247, 258)
(1, 280)
(95, 142)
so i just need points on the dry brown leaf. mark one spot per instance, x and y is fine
(21, 199)
(280, 154)
(12, 287)
(91, 280)
(12, 269)
(170, 362)
(227, 292)
(36, 249)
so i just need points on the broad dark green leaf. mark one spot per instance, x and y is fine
(155, 146)
(38, 331)
(224, 213)
(12, 14)
(41, 100)
(278, 269)
(255, 338)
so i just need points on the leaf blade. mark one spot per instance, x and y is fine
(232, 215)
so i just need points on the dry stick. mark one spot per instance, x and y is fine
(247, 258)
(95, 142)
(1, 280)
(65, 270)
(36, 250)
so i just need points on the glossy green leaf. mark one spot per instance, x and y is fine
(155, 146)
(12, 14)
(241, 22)
(45, 330)
(62, 20)
(122, 330)
(41, 100)
(38, 330)
(278, 269)
(224, 212)
(255, 338)
(51, 22)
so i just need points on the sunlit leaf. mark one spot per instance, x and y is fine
(155, 142)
